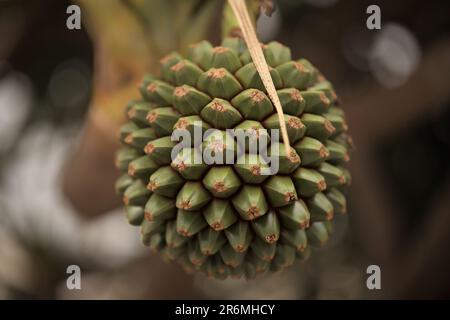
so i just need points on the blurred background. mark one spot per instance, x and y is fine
(61, 98)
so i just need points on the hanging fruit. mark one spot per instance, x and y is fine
(229, 218)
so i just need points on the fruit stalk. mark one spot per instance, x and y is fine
(247, 28)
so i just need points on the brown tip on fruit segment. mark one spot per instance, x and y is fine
(216, 73)
(152, 186)
(181, 166)
(253, 212)
(152, 87)
(148, 216)
(240, 248)
(131, 113)
(293, 157)
(342, 179)
(323, 152)
(184, 233)
(220, 50)
(295, 123)
(131, 170)
(345, 128)
(335, 97)
(129, 139)
(255, 132)
(329, 127)
(180, 91)
(322, 185)
(296, 96)
(185, 204)
(219, 186)
(329, 215)
(182, 124)
(217, 226)
(290, 196)
(177, 67)
(346, 157)
(125, 200)
(217, 106)
(255, 170)
(256, 96)
(324, 99)
(152, 116)
(271, 238)
(195, 262)
(304, 225)
(149, 148)
(217, 146)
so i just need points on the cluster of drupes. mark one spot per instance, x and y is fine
(230, 219)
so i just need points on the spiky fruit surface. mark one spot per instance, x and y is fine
(229, 219)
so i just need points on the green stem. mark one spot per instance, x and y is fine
(230, 26)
